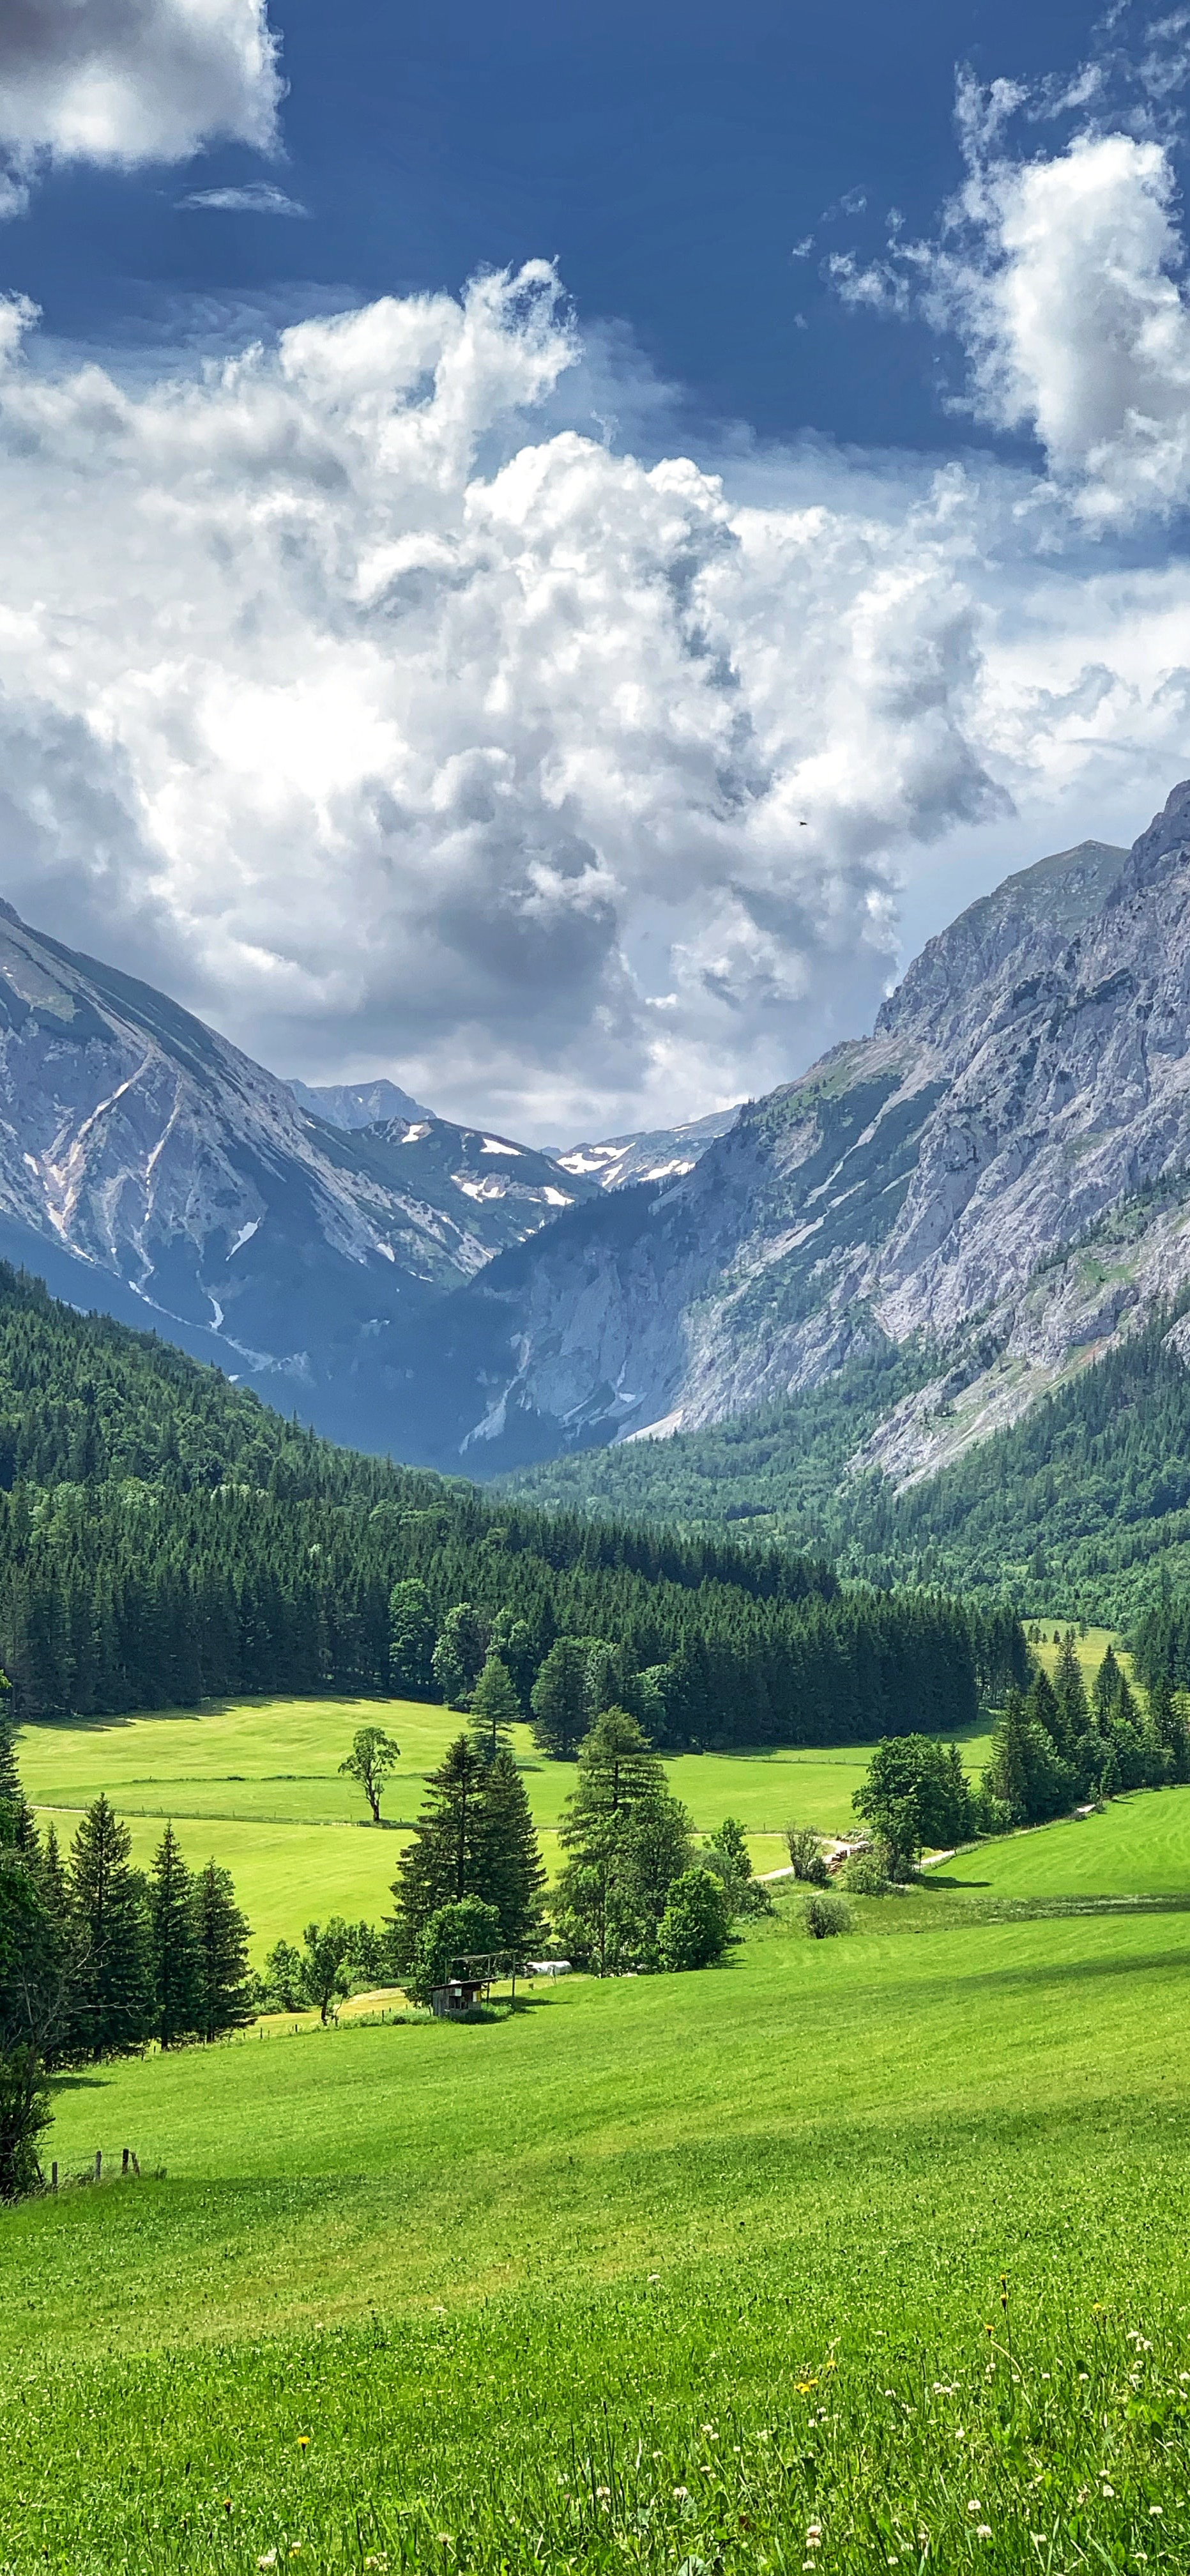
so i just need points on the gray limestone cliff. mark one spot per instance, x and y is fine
(998, 1176)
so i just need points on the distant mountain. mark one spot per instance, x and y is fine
(499, 1191)
(357, 1104)
(990, 1190)
(996, 1181)
(150, 1169)
(655, 1154)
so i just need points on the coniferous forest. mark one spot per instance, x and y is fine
(165, 1537)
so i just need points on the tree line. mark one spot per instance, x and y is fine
(1054, 1744)
(165, 1538)
(97, 1958)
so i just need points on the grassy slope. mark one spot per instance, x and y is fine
(1138, 1846)
(629, 2224)
(256, 1783)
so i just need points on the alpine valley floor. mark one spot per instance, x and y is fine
(849, 2255)
(256, 1783)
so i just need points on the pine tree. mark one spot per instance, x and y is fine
(113, 1998)
(511, 1876)
(446, 1859)
(222, 1936)
(494, 1708)
(175, 1942)
(561, 1698)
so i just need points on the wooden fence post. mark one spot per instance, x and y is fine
(98, 2165)
(124, 2162)
(135, 2164)
(54, 2175)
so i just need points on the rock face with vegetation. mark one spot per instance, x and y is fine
(995, 1179)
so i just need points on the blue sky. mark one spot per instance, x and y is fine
(544, 554)
(669, 159)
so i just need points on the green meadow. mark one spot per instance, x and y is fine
(255, 1783)
(853, 2256)
(848, 2255)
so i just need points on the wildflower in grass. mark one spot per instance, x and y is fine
(1107, 2491)
(303, 2441)
(604, 2494)
(1156, 2509)
(983, 2531)
(974, 2505)
(268, 2558)
(680, 2494)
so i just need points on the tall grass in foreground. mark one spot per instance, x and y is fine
(1057, 2439)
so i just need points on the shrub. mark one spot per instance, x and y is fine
(824, 1916)
(864, 1876)
(805, 1857)
(696, 1921)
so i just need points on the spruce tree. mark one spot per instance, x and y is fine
(1106, 1691)
(459, 1655)
(113, 1992)
(221, 1938)
(1071, 1696)
(511, 1876)
(446, 1859)
(411, 1641)
(494, 1708)
(1007, 1775)
(561, 1698)
(175, 1943)
(626, 1841)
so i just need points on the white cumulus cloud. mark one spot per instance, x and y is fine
(131, 81)
(1062, 275)
(352, 692)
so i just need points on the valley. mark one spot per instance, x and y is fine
(257, 1785)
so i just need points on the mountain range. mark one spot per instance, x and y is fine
(995, 1181)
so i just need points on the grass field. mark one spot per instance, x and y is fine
(256, 1784)
(679, 2273)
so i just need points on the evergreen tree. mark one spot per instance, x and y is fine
(494, 1708)
(626, 1841)
(446, 1859)
(411, 1640)
(222, 1935)
(1107, 1690)
(1045, 1709)
(459, 1655)
(561, 1698)
(175, 1942)
(1026, 1775)
(1071, 1696)
(113, 1986)
(511, 1876)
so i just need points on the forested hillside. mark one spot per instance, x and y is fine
(1079, 1508)
(164, 1537)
